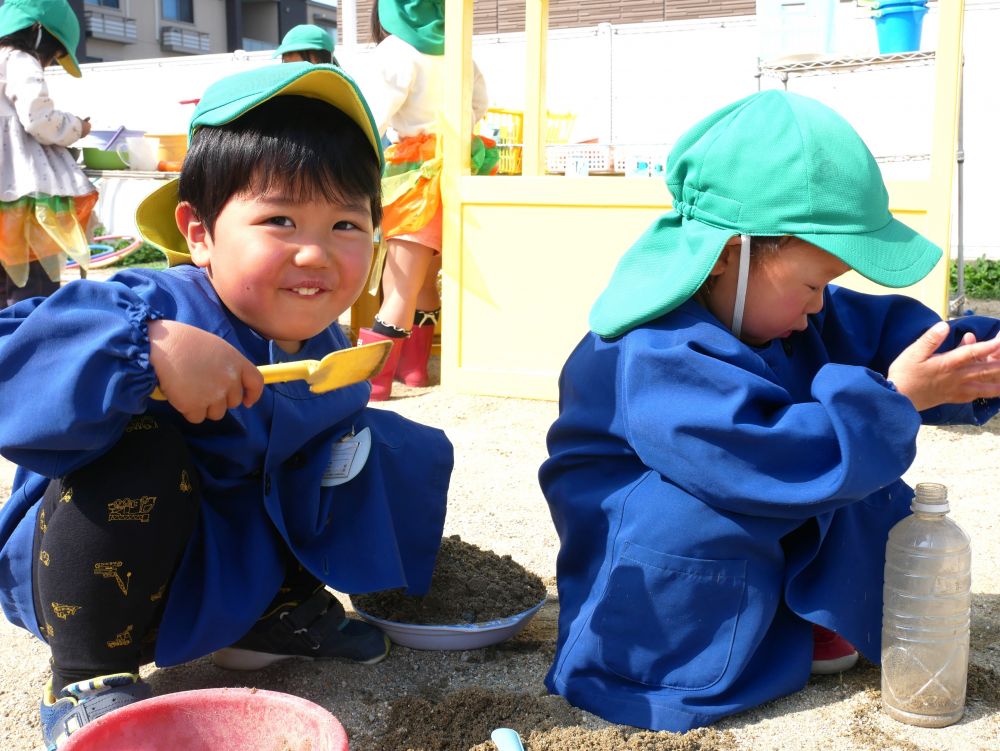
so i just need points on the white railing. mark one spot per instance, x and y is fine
(110, 27)
(180, 39)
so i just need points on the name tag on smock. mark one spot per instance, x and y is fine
(347, 459)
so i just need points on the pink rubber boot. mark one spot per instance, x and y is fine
(412, 368)
(382, 383)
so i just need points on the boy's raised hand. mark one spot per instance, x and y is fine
(201, 375)
(970, 371)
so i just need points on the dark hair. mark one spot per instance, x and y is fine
(316, 57)
(24, 40)
(303, 145)
(761, 247)
(764, 246)
(378, 32)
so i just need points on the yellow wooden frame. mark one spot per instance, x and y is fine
(525, 256)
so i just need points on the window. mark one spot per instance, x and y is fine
(103, 3)
(178, 10)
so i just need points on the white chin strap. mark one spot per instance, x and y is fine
(741, 285)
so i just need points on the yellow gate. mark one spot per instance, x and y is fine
(525, 256)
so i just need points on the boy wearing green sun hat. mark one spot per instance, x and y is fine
(727, 460)
(214, 521)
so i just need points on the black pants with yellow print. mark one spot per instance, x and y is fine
(108, 539)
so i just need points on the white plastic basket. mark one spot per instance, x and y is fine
(598, 155)
(654, 155)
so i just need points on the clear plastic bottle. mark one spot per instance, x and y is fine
(925, 616)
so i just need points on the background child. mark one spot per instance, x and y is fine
(726, 463)
(140, 528)
(405, 84)
(45, 199)
(309, 43)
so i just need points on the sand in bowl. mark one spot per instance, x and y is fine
(469, 585)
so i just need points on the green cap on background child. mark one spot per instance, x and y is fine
(234, 96)
(419, 23)
(303, 37)
(773, 164)
(55, 16)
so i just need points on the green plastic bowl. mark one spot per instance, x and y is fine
(100, 159)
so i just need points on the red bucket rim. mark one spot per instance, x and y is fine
(107, 726)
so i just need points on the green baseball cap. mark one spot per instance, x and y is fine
(55, 16)
(419, 23)
(774, 164)
(305, 36)
(233, 96)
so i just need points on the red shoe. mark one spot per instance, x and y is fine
(832, 653)
(412, 368)
(382, 383)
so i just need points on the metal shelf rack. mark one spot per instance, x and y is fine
(782, 68)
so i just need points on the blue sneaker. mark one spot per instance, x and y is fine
(84, 701)
(317, 628)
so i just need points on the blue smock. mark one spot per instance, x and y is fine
(714, 499)
(75, 370)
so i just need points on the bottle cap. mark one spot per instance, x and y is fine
(931, 498)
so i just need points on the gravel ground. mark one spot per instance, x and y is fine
(449, 701)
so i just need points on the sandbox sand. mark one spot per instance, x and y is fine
(450, 701)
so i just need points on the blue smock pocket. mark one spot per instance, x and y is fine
(667, 620)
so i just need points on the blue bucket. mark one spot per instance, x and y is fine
(879, 4)
(898, 27)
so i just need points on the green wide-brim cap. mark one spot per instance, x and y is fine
(305, 36)
(419, 23)
(894, 256)
(155, 221)
(772, 164)
(233, 96)
(638, 291)
(681, 248)
(56, 16)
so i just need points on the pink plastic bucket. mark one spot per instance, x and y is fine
(215, 719)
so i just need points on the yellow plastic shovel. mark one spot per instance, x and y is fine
(336, 370)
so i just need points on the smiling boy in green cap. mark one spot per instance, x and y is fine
(212, 522)
(727, 460)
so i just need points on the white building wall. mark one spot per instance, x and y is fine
(645, 83)
(145, 13)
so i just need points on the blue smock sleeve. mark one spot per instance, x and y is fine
(873, 330)
(75, 368)
(711, 419)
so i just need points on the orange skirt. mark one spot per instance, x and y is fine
(411, 186)
(46, 229)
